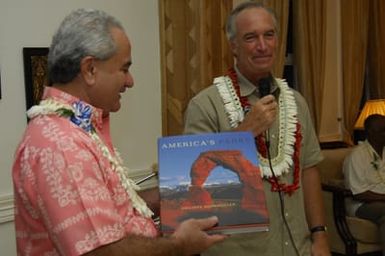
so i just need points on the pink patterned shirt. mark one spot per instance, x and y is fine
(68, 199)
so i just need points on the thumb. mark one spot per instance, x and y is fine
(207, 222)
(267, 99)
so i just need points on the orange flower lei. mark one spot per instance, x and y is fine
(261, 145)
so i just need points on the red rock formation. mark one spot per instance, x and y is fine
(233, 160)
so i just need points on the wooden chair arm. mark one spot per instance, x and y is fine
(337, 187)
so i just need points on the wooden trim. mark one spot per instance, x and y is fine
(163, 65)
(333, 145)
(6, 208)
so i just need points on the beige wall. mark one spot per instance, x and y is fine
(135, 128)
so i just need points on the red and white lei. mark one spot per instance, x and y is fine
(289, 136)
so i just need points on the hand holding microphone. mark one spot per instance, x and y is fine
(263, 113)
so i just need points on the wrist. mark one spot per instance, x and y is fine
(319, 228)
(318, 233)
(179, 245)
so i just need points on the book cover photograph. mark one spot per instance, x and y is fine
(211, 174)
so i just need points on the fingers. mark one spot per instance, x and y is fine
(193, 239)
(267, 99)
(215, 238)
(267, 103)
(207, 222)
(261, 116)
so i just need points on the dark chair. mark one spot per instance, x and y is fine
(348, 235)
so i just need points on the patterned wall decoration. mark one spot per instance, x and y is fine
(194, 50)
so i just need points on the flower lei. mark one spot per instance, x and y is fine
(374, 162)
(80, 114)
(289, 140)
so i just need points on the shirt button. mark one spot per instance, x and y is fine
(286, 243)
(286, 214)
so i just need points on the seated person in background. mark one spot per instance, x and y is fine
(72, 193)
(364, 171)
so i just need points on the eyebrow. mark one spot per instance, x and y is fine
(255, 33)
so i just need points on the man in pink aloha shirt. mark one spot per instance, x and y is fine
(72, 194)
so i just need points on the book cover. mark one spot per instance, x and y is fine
(211, 174)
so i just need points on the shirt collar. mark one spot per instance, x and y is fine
(66, 98)
(247, 88)
(371, 149)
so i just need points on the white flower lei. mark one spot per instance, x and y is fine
(50, 106)
(287, 122)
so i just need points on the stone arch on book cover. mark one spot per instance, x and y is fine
(249, 175)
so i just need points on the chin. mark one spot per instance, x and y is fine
(115, 108)
(264, 68)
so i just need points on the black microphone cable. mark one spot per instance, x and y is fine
(264, 89)
(280, 193)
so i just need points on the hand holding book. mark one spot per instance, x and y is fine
(211, 174)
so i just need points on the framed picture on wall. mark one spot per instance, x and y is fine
(35, 73)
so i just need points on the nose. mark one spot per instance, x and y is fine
(129, 82)
(261, 43)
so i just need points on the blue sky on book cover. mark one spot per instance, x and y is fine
(178, 153)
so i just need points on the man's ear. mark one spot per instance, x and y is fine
(88, 69)
(233, 47)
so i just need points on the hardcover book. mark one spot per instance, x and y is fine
(211, 174)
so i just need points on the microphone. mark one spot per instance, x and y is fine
(264, 86)
(264, 89)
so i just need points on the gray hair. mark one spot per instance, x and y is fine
(84, 32)
(231, 29)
